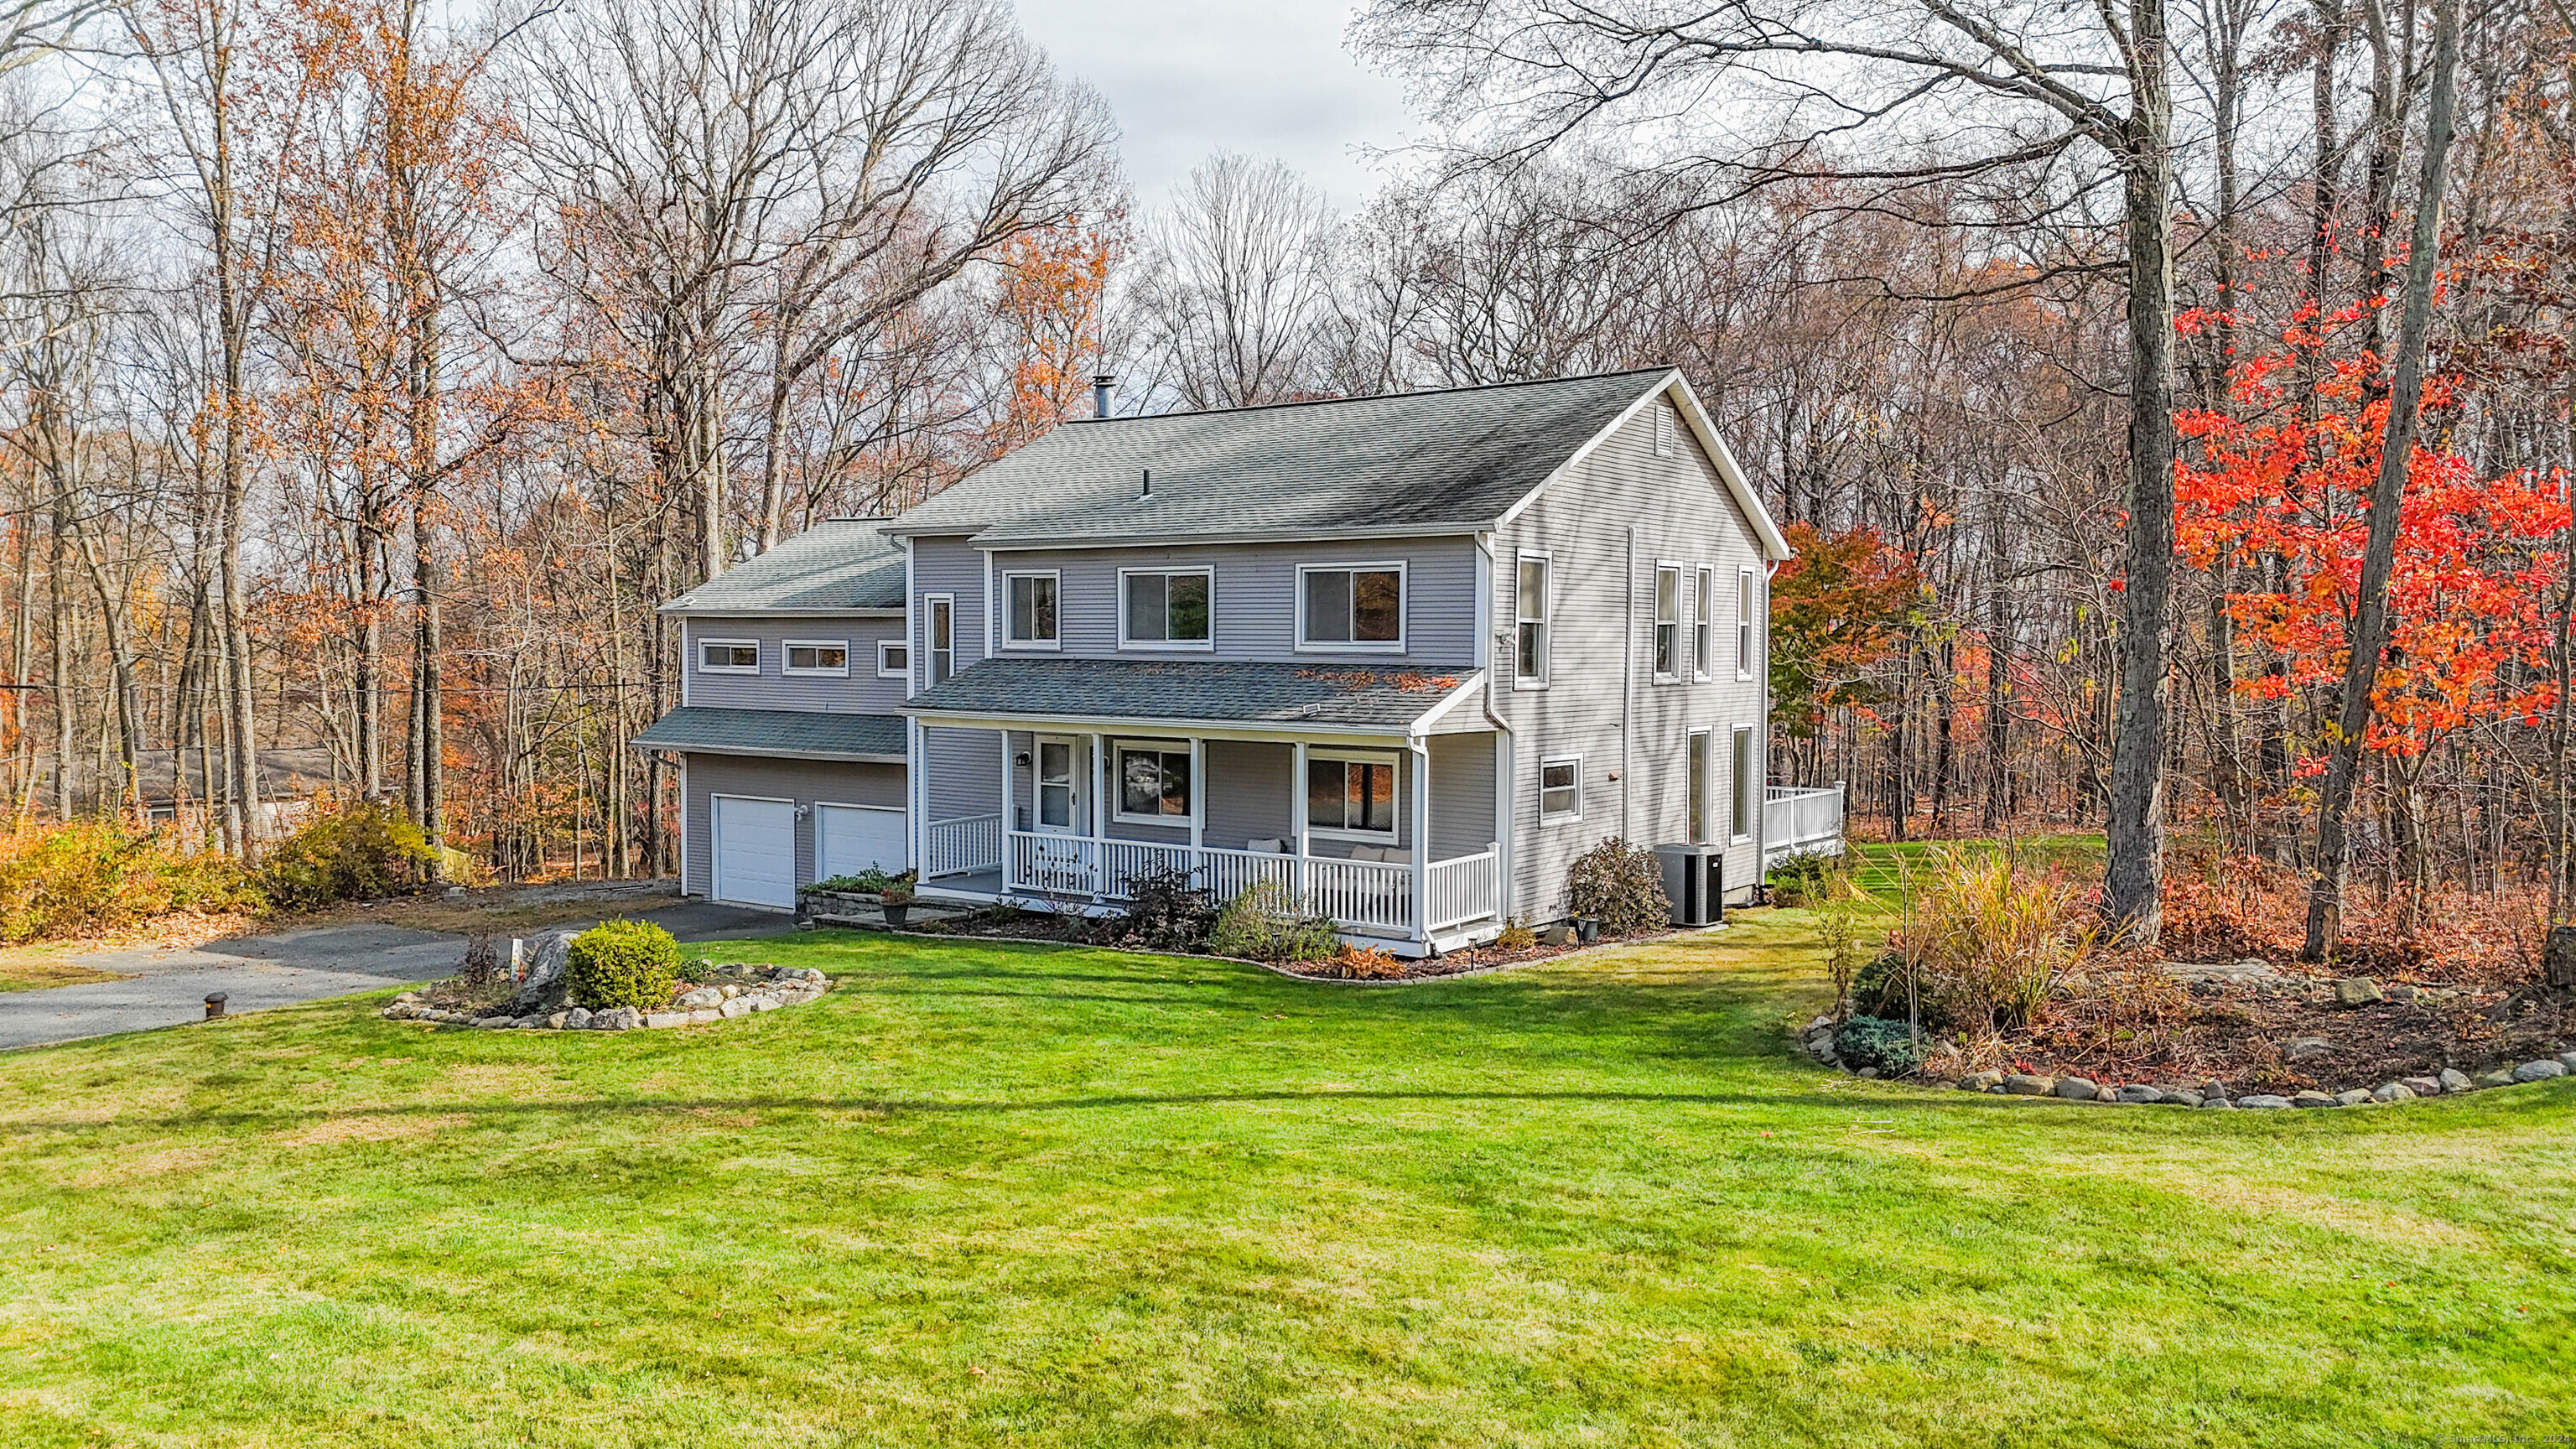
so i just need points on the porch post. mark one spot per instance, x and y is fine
(1297, 819)
(1198, 798)
(1421, 756)
(1009, 856)
(1095, 852)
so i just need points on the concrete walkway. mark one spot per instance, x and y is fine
(169, 987)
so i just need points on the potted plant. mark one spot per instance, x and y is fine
(897, 903)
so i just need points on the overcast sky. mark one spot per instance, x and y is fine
(1264, 77)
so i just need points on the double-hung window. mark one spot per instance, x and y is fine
(1351, 606)
(1703, 632)
(728, 656)
(1739, 807)
(1154, 783)
(1744, 624)
(1695, 782)
(1668, 622)
(1030, 610)
(1529, 645)
(819, 656)
(1560, 789)
(940, 627)
(1165, 608)
(1353, 795)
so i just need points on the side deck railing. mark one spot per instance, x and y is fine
(1798, 821)
(962, 845)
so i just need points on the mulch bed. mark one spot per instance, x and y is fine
(1044, 926)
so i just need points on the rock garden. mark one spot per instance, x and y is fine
(1993, 980)
(617, 976)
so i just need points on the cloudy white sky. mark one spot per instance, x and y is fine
(1264, 77)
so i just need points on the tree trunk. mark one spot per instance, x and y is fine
(2370, 628)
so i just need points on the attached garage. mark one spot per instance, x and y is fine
(755, 851)
(851, 838)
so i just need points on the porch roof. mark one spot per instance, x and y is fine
(801, 733)
(1213, 691)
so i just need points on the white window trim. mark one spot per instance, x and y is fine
(1403, 608)
(1674, 674)
(1704, 623)
(1187, 646)
(1546, 620)
(1736, 787)
(787, 648)
(893, 671)
(1707, 781)
(1118, 749)
(1746, 632)
(1545, 818)
(752, 668)
(1364, 757)
(922, 658)
(1011, 609)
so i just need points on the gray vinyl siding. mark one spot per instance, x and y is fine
(961, 772)
(955, 567)
(1601, 656)
(773, 688)
(1255, 599)
(1248, 793)
(807, 782)
(1462, 794)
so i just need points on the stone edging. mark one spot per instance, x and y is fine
(1818, 1040)
(768, 989)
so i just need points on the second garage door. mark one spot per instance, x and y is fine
(755, 850)
(851, 838)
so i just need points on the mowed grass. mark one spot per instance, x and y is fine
(1030, 1196)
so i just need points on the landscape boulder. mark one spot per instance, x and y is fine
(2023, 1084)
(2312, 1099)
(2144, 1095)
(2538, 1071)
(2392, 1092)
(2077, 1089)
(2262, 1102)
(2358, 991)
(2455, 1080)
(2306, 1047)
(2423, 1086)
(2354, 1097)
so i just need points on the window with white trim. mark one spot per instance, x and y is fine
(1739, 809)
(728, 656)
(1350, 606)
(1529, 643)
(1695, 784)
(818, 656)
(1351, 795)
(1030, 610)
(894, 659)
(1703, 632)
(1744, 624)
(1560, 789)
(939, 630)
(1166, 608)
(1154, 783)
(1668, 622)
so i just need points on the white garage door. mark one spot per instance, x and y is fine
(850, 838)
(755, 848)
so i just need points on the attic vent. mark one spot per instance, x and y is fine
(1665, 420)
(1145, 489)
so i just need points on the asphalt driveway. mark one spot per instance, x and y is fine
(169, 987)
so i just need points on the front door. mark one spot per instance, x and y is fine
(1059, 787)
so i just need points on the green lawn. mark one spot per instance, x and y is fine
(1024, 1196)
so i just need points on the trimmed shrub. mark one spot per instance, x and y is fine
(1166, 911)
(1878, 989)
(1264, 924)
(359, 850)
(1875, 1041)
(1621, 886)
(1802, 879)
(622, 963)
(87, 877)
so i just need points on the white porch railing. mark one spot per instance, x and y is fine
(962, 845)
(1372, 896)
(1801, 822)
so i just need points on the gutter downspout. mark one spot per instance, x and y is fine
(1627, 684)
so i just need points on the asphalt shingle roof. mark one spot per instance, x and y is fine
(845, 563)
(1404, 461)
(776, 732)
(1200, 689)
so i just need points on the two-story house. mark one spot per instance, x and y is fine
(1407, 655)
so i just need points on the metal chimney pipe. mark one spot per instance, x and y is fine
(1101, 383)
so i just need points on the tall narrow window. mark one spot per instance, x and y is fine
(1668, 620)
(1703, 633)
(1361, 607)
(1032, 610)
(1163, 610)
(1744, 624)
(1739, 807)
(1695, 781)
(1350, 795)
(942, 628)
(1530, 645)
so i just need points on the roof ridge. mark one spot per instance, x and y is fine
(1311, 402)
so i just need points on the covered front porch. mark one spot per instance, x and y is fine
(1393, 839)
